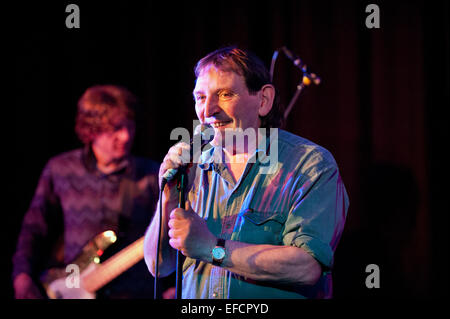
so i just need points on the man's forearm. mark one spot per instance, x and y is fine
(270, 263)
(167, 255)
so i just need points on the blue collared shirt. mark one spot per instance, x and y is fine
(298, 200)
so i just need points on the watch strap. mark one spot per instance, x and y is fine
(221, 242)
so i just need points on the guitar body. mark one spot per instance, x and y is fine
(82, 278)
(67, 283)
(63, 288)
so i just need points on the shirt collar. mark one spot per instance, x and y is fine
(90, 162)
(213, 157)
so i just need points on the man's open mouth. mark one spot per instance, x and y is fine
(220, 124)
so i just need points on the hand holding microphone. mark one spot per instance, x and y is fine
(182, 155)
(178, 159)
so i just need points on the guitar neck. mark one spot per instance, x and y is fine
(114, 266)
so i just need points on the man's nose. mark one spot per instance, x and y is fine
(124, 134)
(211, 106)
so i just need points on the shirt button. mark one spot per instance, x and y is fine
(215, 295)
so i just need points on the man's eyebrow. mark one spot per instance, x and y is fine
(227, 88)
(197, 92)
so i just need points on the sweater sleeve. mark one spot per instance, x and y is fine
(39, 228)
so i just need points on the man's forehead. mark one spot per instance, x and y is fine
(211, 76)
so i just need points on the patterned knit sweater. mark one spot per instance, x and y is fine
(74, 201)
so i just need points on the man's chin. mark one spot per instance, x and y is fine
(120, 157)
(221, 133)
(121, 153)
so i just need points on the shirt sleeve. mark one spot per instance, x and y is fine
(318, 211)
(39, 225)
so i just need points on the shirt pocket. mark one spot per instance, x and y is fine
(255, 227)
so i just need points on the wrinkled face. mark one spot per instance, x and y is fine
(223, 101)
(113, 146)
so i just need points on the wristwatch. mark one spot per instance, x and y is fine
(218, 252)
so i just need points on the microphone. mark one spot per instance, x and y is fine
(200, 132)
(295, 59)
(298, 63)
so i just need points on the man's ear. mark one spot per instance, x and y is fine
(267, 96)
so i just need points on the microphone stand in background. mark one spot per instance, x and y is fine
(307, 76)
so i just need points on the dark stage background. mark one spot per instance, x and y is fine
(379, 110)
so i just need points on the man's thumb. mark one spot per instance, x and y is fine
(187, 206)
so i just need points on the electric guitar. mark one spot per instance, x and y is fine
(82, 278)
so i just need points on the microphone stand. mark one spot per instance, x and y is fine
(299, 90)
(181, 186)
(182, 183)
(307, 77)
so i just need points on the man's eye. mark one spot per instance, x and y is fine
(118, 127)
(200, 98)
(225, 95)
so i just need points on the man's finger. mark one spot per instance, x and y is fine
(173, 161)
(171, 223)
(176, 223)
(174, 243)
(177, 213)
(174, 233)
(180, 152)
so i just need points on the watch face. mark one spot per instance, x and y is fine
(218, 253)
